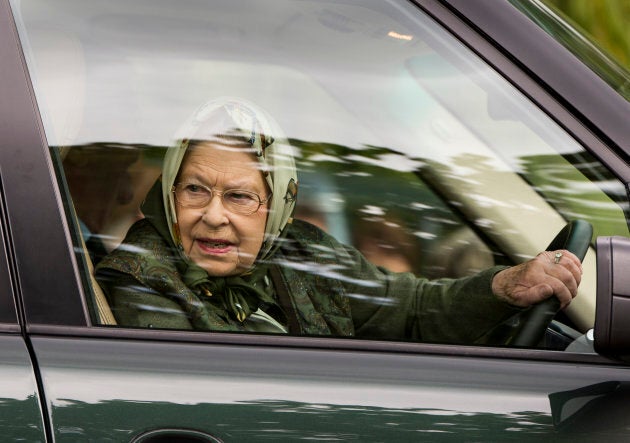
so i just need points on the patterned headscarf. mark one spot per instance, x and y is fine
(239, 123)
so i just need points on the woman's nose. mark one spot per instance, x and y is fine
(214, 213)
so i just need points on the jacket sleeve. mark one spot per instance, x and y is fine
(400, 305)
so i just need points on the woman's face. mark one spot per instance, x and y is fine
(221, 242)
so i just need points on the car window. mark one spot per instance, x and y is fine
(408, 146)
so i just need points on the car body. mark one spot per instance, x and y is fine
(461, 124)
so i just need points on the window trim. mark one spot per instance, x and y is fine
(321, 343)
(32, 197)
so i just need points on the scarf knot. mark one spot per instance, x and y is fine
(240, 295)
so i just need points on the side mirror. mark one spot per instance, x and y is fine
(612, 315)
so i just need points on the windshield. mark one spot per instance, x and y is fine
(578, 43)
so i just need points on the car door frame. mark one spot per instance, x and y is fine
(40, 236)
(45, 237)
(45, 263)
(43, 221)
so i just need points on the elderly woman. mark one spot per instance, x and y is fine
(219, 250)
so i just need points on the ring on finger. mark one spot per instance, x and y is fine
(557, 256)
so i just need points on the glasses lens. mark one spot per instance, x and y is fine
(191, 195)
(244, 202)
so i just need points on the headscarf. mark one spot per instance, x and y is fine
(243, 125)
(237, 122)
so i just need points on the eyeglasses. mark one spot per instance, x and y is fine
(193, 195)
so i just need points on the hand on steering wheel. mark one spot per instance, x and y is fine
(556, 273)
(576, 238)
(528, 327)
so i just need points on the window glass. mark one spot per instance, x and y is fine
(408, 147)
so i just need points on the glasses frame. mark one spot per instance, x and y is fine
(212, 192)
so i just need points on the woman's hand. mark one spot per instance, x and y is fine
(549, 273)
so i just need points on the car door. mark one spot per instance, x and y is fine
(400, 128)
(21, 400)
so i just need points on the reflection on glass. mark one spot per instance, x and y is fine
(407, 145)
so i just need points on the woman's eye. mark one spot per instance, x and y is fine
(194, 188)
(239, 196)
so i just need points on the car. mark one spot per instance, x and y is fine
(438, 137)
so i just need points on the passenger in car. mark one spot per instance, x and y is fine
(220, 251)
(384, 243)
(98, 179)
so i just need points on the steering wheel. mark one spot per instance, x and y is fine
(576, 238)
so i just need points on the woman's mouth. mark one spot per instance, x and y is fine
(214, 246)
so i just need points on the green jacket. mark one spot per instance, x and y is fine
(313, 284)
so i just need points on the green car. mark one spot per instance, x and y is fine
(438, 137)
